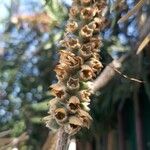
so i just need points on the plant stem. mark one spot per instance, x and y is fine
(63, 140)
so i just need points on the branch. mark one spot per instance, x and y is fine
(108, 73)
(143, 44)
(132, 11)
(4, 133)
(12, 142)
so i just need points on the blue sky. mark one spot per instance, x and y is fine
(68, 1)
(3, 3)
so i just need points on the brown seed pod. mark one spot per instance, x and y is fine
(53, 101)
(58, 90)
(71, 129)
(95, 55)
(75, 120)
(86, 32)
(69, 61)
(60, 115)
(64, 56)
(73, 43)
(86, 118)
(73, 104)
(86, 73)
(87, 13)
(73, 84)
(99, 7)
(85, 51)
(63, 44)
(95, 64)
(98, 24)
(61, 72)
(84, 95)
(74, 125)
(72, 26)
(96, 40)
(75, 63)
(74, 11)
(53, 105)
(51, 123)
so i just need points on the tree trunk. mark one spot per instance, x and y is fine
(138, 121)
(97, 142)
(84, 145)
(110, 141)
(122, 143)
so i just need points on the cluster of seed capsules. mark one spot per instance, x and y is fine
(79, 63)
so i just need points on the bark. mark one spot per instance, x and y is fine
(97, 142)
(88, 146)
(110, 141)
(122, 144)
(138, 121)
(84, 145)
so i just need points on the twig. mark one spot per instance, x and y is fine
(4, 133)
(143, 44)
(132, 11)
(127, 77)
(16, 141)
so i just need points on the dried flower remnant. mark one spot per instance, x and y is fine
(98, 24)
(73, 84)
(73, 104)
(72, 26)
(74, 125)
(71, 129)
(86, 32)
(63, 44)
(61, 72)
(84, 95)
(87, 13)
(96, 65)
(51, 122)
(96, 41)
(74, 11)
(86, 73)
(85, 51)
(73, 43)
(53, 103)
(100, 7)
(60, 115)
(79, 63)
(86, 118)
(58, 90)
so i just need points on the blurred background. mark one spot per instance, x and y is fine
(29, 35)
